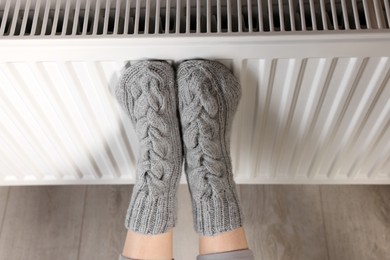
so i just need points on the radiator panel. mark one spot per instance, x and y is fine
(63, 115)
(137, 18)
(300, 120)
(315, 119)
(315, 78)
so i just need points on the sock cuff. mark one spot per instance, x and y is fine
(151, 215)
(221, 212)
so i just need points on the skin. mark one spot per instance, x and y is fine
(140, 246)
(223, 242)
(160, 246)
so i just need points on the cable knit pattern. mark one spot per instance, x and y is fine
(147, 92)
(208, 98)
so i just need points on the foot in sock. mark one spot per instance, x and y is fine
(147, 93)
(208, 98)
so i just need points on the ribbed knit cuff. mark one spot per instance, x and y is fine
(218, 213)
(151, 215)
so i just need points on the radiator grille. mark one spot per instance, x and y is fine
(298, 119)
(58, 121)
(183, 17)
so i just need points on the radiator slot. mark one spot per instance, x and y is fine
(120, 17)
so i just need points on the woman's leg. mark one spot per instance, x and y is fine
(223, 242)
(209, 95)
(147, 93)
(139, 246)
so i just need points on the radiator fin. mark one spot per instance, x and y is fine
(298, 119)
(183, 17)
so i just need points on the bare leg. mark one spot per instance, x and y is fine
(223, 242)
(141, 246)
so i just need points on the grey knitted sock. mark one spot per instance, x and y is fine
(208, 98)
(147, 92)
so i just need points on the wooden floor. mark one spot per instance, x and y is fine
(282, 222)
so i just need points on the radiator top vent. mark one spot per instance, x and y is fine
(42, 18)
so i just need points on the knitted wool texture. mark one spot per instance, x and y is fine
(147, 92)
(208, 98)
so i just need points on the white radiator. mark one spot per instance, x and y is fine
(315, 76)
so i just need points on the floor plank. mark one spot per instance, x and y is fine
(42, 222)
(104, 233)
(284, 222)
(357, 221)
(3, 204)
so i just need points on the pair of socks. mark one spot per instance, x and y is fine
(182, 116)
